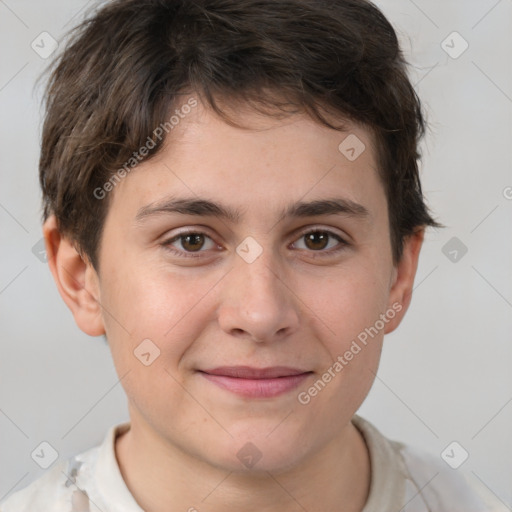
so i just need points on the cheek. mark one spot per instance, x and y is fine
(153, 303)
(153, 319)
(346, 332)
(348, 305)
(347, 302)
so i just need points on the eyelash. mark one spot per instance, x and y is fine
(320, 253)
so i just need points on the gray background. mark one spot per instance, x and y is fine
(445, 374)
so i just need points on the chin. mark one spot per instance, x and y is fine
(262, 453)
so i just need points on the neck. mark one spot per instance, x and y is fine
(160, 475)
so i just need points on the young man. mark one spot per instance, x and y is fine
(231, 197)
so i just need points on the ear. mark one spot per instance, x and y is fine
(403, 279)
(76, 279)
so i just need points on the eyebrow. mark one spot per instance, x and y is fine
(204, 207)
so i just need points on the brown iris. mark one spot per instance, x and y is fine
(317, 240)
(192, 241)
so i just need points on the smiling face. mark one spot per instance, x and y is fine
(257, 248)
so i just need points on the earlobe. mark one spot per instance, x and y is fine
(405, 270)
(76, 279)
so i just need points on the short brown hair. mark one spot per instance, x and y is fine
(134, 60)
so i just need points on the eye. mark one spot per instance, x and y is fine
(320, 241)
(189, 242)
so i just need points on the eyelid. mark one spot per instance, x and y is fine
(167, 243)
(324, 229)
(202, 230)
(343, 242)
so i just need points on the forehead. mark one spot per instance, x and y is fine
(265, 164)
(299, 132)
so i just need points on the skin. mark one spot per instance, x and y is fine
(298, 304)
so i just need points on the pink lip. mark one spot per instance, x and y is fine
(255, 382)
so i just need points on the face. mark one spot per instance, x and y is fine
(265, 249)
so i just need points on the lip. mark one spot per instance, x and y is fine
(256, 382)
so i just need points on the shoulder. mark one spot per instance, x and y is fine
(442, 487)
(56, 490)
(89, 481)
(423, 481)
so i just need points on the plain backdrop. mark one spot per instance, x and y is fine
(445, 374)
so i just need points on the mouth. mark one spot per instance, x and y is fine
(256, 382)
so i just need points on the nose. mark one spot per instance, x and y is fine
(256, 303)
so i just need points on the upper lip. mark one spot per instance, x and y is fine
(247, 372)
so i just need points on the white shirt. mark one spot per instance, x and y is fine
(402, 480)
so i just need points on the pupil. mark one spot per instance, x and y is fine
(192, 242)
(317, 240)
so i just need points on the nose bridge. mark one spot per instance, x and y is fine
(257, 263)
(262, 275)
(258, 304)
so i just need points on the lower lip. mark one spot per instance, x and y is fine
(257, 388)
